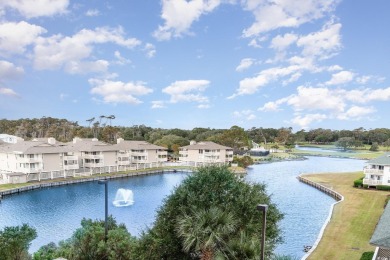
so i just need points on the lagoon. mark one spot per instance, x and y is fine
(57, 212)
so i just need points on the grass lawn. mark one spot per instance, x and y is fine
(353, 221)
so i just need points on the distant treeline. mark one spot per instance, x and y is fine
(235, 137)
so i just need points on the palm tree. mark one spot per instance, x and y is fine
(205, 232)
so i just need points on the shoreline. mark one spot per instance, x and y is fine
(334, 194)
(62, 182)
(347, 230)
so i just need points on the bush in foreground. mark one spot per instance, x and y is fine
(212, 214)
(88, 242)
(15, 241)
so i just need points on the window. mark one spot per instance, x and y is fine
(200, 151)
(381, 167)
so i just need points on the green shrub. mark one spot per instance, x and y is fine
(383, 187)
(209, 188)
(358, 183)
(367, 255)
(365, 186)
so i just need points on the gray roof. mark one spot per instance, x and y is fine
(33, 147)
(205, 145)
(137, 145)
(381, 236)
(381, 160)
(90, 145)
(41, 146)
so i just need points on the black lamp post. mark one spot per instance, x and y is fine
(263, 208)
(105, 182)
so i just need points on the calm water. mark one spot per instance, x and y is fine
(56, 212)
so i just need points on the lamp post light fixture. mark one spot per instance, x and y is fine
(263, 208)
(105, 182)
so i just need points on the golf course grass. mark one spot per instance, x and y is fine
(353, 221)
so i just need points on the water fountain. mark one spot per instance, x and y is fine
(123, 198)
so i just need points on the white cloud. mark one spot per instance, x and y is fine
(335, 68)
(270, 106)
(271, 15)
(58, 51)
(363, 79)
(246, 114)
(92, 12)
(309, 98)
(306, 120)
(118, 91)
(9, 71)
(180, 14)
(322, 44)
(36, 8)
(8, 92)
(337, 103)
(294, 77)
(158, 104)
(150, 50)
(341, 77)
(282, 42)
(187, 91)
(203, 106)
(245, 64)
(356, 113)
(85, 67)
(367, 95)
(121, 60)
(251, 85)
(15, 37)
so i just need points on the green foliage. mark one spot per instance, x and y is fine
(169, 141)
(345, 142)
(211, 189)
(374, 147)
(243, 161)
(206, 231)
(367, 255)
(46, 252)
(382, 187)
(235, 138)
(365, 186)
(358, 183)
(15, 241)
(88, 242)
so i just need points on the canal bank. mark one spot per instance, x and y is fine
(49, 184)
(353, 221)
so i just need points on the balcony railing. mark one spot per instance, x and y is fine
(373, 171)
(91, 165)
(71, 167)
(372, 182)
(138, 153)
(29, 160)
(30, 170)
(71, 158)
(123, 163)
(93, 156)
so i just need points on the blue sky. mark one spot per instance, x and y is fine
(202, 63)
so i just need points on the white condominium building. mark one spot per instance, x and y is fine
(205, 152)
(46, 158)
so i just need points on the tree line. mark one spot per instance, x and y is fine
(235, 137)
